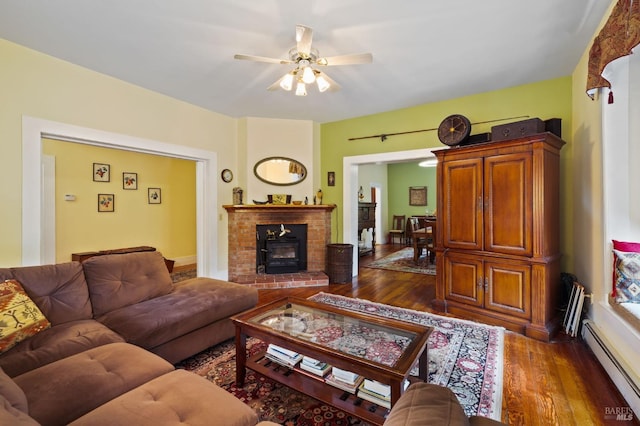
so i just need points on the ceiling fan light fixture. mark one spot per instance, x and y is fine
(301, 89)
(308, 75)
(287, 82)
(323, 84)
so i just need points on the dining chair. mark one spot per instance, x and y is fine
(398, 228)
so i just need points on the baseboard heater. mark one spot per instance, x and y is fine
(616, 370)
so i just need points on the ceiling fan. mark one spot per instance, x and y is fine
(303, 56)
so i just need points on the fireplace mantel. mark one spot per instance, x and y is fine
(278, 207)
(243, 219)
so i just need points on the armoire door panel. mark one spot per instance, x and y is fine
(508, 288)
(508, 204)
(464, 280)
(463, 204)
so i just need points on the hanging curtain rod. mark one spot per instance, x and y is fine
(384, 136)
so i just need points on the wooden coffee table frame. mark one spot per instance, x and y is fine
(315, 387)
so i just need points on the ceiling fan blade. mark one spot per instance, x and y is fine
(275, 86)
(263, 59)
(304, 36)
(361, 58)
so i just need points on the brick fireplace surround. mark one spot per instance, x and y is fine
(242, 243)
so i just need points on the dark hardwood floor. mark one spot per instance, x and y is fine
(557, 383)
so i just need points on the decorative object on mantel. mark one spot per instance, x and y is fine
(383, 137)
(306, 201)
(259, 203)
(279, 198)
(319, 196)
(237, 195)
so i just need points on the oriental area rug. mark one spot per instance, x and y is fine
(402, 261)
(464, 356)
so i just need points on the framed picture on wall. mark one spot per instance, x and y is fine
(101, 172)
(106, 202)
(331, 178)
(155, 195)
(417, 195)
(129, 180)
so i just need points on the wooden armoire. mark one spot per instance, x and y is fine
(498, 234)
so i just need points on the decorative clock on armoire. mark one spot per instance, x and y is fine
(454, 130)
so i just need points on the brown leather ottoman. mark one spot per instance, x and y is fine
(176, 398)
(64, 390)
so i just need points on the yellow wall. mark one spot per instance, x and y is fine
(169, 226)
(40, 86)
(546, 99)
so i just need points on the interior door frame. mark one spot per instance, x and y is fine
(350, 188)
(36, 246)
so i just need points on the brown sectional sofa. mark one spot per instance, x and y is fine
(118, 324)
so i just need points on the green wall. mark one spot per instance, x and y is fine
(401, 177)
(546, 99)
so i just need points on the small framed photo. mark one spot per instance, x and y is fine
(106, 202)
(129, 180)
(418, 196)
(331, 178)
(101, 172)
(155, 196)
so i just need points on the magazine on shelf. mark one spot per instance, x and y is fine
(320, 370)
(340, 384)
(280, 350)
(281, 358)
(307, 360)
(377, 387)
(370, 396)
(344, 375)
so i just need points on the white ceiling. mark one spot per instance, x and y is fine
(423, 50)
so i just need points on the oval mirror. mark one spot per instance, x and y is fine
(280, 171)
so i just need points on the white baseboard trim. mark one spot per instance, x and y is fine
(185, 260)
(625, 380)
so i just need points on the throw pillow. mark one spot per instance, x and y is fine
(627, 276)
(20, 318)
(625, 246)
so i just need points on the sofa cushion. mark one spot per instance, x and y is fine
(9, 415)
(20, 318)
(57, 342)
(80, 383)
(60, 291)
(118, 280)
(176, 398)
(12, 393)
(424, 402)
(627, 276)
(195, 303)
(626, 246)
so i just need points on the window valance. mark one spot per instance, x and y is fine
(618, 37)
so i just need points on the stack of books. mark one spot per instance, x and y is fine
(314, 366)
(375, 392)
(345, 380)
(283, 356)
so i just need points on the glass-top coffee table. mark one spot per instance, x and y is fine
(376, 348)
